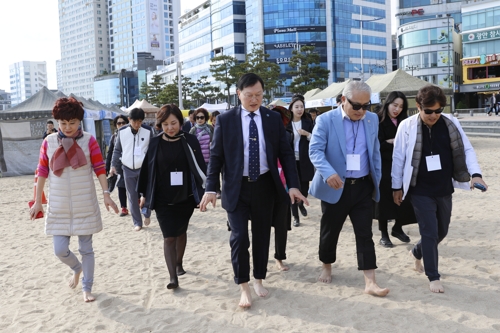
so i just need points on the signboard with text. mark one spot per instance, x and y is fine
(480, 36)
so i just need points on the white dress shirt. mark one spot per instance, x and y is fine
(245, 125)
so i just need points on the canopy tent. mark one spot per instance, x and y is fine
(23, 126)
(222, 107)
(311, 93)
(279, 102)
(147, 107)
(327, 97)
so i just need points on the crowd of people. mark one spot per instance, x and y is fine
(262, 163)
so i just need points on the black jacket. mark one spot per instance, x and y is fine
(306, 167)
(147, 177)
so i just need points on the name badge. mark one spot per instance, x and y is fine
(137, 151)
(176, 178)
(353, 162)
(433, 162)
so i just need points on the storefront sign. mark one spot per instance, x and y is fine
(408, 27)
(479, 87)
(484, 35)
(491, 59)
(294, 29)
(413, 12)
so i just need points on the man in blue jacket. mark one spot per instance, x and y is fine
(345, 150)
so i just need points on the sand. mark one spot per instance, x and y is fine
(131, 276)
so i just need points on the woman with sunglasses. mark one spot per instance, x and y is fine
(392, 113)
(119, 121)
(203, 132)
(301, 125)
(432, 155)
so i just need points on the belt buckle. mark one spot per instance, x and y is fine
(353, 181)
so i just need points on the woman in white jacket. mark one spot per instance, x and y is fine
(432, 155)
(67, 158)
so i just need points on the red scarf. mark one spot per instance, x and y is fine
(67, 154)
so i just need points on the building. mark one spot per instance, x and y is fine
(352, 37)
(429, 40)
(142, 26)
(59, 75)
(26, 79)
(481, 51)
(5, 102)
(120, 89)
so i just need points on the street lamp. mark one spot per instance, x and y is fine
(361, 34)
(411, 68)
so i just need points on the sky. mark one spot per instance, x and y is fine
(30, 32)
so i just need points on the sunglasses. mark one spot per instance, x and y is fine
(356, 107)
(437, 111)
(200, 117)
(120, 123)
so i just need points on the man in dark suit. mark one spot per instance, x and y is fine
(189, 124)
(247, 142)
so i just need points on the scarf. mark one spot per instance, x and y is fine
(203, 129)
(68, 153)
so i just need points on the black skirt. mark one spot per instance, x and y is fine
(174, 219)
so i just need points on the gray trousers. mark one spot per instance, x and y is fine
(61, 250)
(131, 177)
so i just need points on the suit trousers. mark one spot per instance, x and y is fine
(131, 178)
(304, 190)
(281, 223)
(433, 217)
(256, 201)
(355, 202)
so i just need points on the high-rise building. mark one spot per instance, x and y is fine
(429, 41)
(59, 75)
(83, 28)
(26, 79)
(142, 26)
(352, 37)
(4, 100)
(117, 88)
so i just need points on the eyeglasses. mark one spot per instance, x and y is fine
(200, 117)
(120, 123)
(437, 111)
(256, 96)
(356, 107)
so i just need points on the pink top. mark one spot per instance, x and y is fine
(394, 121)
(95, 158)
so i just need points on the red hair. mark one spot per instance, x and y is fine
(67, 109)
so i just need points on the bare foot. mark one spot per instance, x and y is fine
(147, 221)
(259, 288)
(326, 274)
(88, 297)
(371, 286)
(137, 228)
(246, 296)
(375, 290)
(73, 282)
(418, 263)
(436, 286)
(281, 266)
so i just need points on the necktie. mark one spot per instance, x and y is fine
(253, 150)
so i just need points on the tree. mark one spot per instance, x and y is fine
(155, 87)
(203, 90)
(308, 73)
(225, 69)
(269, 72)
(169, 95)
(144, 91)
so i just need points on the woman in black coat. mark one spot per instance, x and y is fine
(301, 126)
(391, 114)
(172, 181)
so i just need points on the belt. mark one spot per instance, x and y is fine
(247, 179)
(354, 181)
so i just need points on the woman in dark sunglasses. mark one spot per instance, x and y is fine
(392, 113)
(203, 132)
(432, 155)
(119, 121)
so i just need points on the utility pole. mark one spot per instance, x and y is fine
(411, 68)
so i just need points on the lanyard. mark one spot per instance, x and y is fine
(355, 135)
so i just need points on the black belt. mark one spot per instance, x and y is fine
(354, 181)
(264, 175)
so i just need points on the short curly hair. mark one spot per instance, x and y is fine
(67, 109)
(165, 112)
(202, 110)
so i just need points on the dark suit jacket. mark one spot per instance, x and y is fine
(226, 154)
(306, 167)
(186, 127)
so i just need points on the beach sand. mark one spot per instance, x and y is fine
(131, 275)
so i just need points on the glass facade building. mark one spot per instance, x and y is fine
(332, 27)
(118, 89)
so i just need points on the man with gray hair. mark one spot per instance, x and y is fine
(345, 151)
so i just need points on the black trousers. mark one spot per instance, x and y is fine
(433, 216)
(304, 190)
(256, 200)
(281, 223)
(355, 202)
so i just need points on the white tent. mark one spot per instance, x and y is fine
(222, 107)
